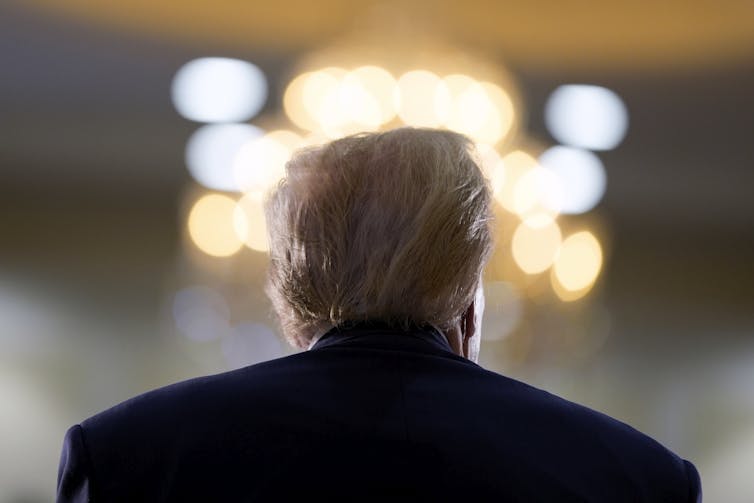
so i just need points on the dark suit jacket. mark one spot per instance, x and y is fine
(368, 414)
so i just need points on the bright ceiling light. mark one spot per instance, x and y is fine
(260, 164)
(585, 116)
(582, 178)
(211, 150)
(219, 90)
(505, 177)
(577, 265)
(210, 225)
(535, 248)
(422, 99)
(249, 221)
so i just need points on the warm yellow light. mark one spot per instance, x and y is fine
(249, 221)
(260, 164)
(514, 165)
(422, 99)
(489, 158)
(577, 265)
(287, 138)
(498, 178)
(310, 99)
(477, 113)
(537, 196)
(210, 225)
(499, 124)
(458, 86)
(357, 107)
(313, 139)
(322, 97)
(535, 248)
(381, 87)
(480, 110)
(336, 102)
(294, 104)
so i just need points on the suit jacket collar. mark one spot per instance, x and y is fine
(380, 335)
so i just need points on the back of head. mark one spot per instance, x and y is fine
(391, 226)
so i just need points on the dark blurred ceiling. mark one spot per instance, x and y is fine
(87, 112)
(636, 34)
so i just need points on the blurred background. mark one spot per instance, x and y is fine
(137, 140)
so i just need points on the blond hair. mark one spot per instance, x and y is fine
(391, 226)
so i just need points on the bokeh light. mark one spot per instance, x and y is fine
(381, 87)
(514, 165)
(251, 343)
(582, 177)
(325, 99)
(578, 263)
(219, 90)
(211, 151)
(201, 313)
(422, 99)
(314, 138)
(260, 163)
(492, 166)
(469, 106)
(249, 221)
(366, 97)
(535, 248)
(537, 196)
(210, 225)
(294, 106)
(481, 110)
(489, 160)
(586, 116)
(356, 105)
(337, 102)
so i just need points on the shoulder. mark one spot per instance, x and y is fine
(570, 416)
(584, 437)
(199, 392)
(147, 436)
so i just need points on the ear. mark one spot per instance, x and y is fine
(468, 328)
(465, 335)
(461, 335)
(472, 326)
